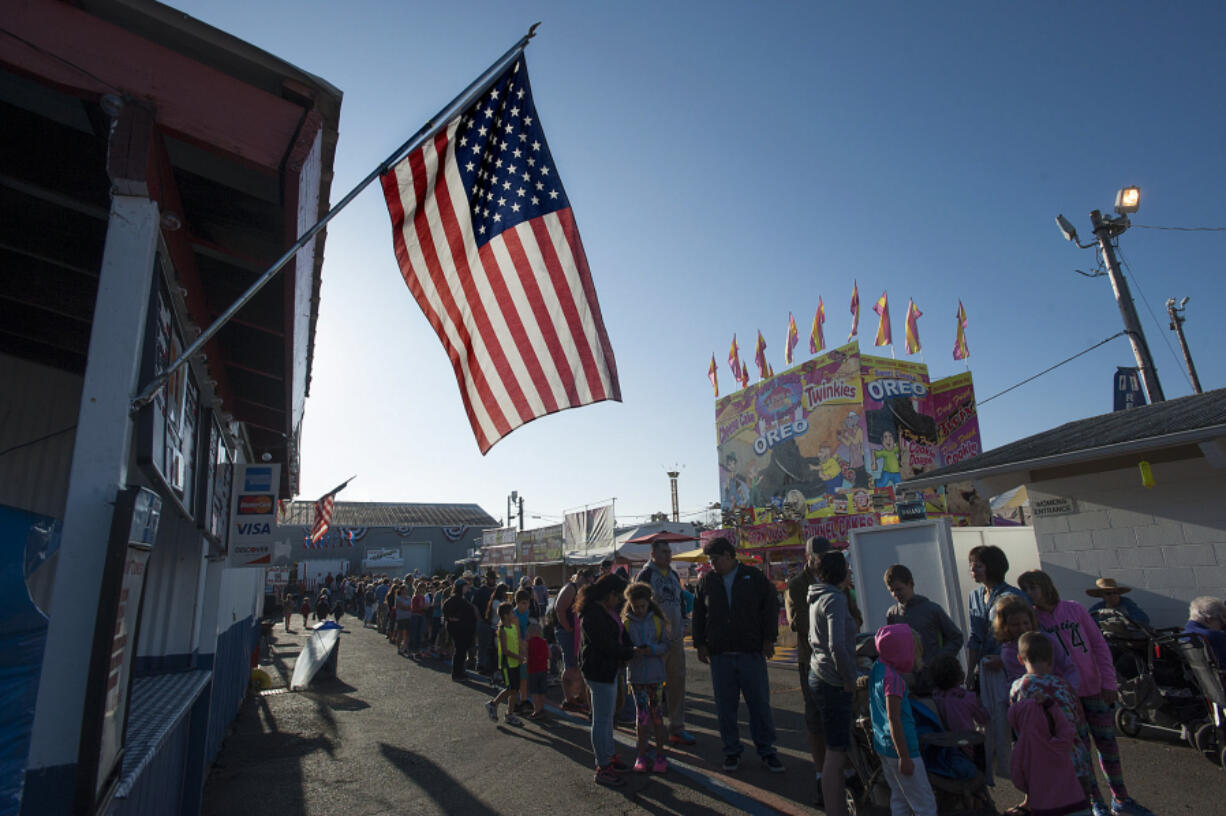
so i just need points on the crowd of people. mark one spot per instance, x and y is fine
(1040, 682)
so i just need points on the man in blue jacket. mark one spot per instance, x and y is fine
(736, 623)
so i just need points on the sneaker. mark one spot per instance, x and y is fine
(641, 765)
(681, 738)
(660, 765)
(491, 708)
(571, 705)
(773, 764)
(511, 719)
(608, 777)
(1130, 807)
(1099, 808)
(732, 762)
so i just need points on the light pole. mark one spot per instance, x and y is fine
(672, 482)
(1107, 229)
(513, 501)
(1177, 318)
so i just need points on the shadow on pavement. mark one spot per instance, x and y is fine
(450, 793)
(260, 761)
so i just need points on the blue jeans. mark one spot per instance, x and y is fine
(734, 674)
(417, 624)
(604, 700)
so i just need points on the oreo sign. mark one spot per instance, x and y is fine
(881, 389)
(776, 435)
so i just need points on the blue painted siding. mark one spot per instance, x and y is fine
(231, 675)
(159, 787)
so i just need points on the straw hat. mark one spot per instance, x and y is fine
(1104, 585)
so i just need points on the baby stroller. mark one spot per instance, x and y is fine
(1158, 687)
(958, 783)
(1129, 641)
(1210, 736)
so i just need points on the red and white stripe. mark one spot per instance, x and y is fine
(323, 517)
(518, 316)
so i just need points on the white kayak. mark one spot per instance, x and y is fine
(315, 654)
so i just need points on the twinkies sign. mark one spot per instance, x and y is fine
(253, 509)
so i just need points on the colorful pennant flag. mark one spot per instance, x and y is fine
(713, 375)
(911, 332)
(734, 359)
(961, 349)
(759, 355)
(793, 339)
(855, 309)
(488, 244)
(817, 340)
(744, 375)
(770, 371)
(884, 336)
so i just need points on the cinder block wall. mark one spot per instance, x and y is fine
(1168, 542)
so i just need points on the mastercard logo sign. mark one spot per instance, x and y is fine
(255, 505)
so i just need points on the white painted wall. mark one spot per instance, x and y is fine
(1168, 542)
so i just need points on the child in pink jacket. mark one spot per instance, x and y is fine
(1086, 647)
(1042, 767)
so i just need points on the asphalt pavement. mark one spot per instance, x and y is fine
(394, 735)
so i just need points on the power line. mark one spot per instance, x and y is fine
(39, 439)
(1165, 337)
(1052, 368)
(1180, 229)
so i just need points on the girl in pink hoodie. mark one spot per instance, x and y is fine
(1041, 766)
(1085, 646)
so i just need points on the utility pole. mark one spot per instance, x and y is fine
(1177, 318)
(521, 514)
(1106, 230)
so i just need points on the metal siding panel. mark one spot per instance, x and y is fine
(159, 787)
(231, 674)
(38, 400)
(168, 617)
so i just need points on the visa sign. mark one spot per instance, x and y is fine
(253, 525)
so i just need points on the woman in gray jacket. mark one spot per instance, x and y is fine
(832, 671)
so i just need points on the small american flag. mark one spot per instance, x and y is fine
(488, 245)
(323, 513)
(323, 517)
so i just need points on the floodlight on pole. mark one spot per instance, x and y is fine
(1107, 230)
(1128, 200)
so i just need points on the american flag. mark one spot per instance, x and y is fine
(488, 245)
(323, 517)
(323, 513)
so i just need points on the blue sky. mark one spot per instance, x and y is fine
(730, 162)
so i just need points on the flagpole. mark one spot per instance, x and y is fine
(342, 485)
(427, 131)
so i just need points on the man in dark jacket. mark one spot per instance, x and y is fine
(461, 619)
(736, 623)
(485, 632)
